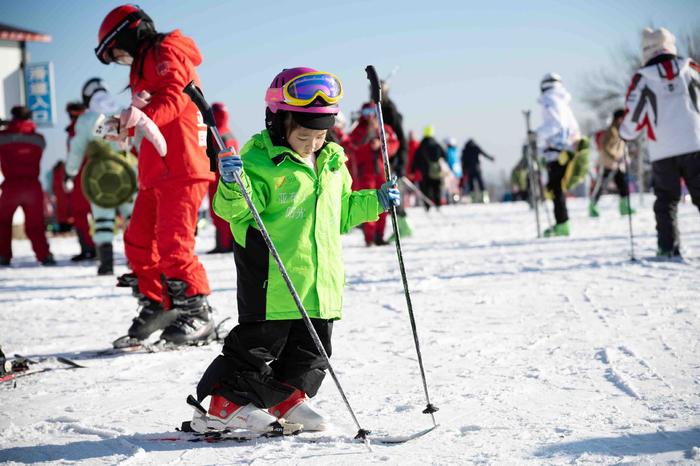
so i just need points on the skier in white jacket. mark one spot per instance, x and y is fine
(664, 100)
(557, 138)
(100, 103)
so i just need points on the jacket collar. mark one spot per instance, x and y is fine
(21, 126)
(329, 155)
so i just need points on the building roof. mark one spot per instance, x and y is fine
(8, 32)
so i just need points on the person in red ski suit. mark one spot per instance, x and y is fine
(224, 237)
(168, 279)
(62, 210)
(21, 148)
(367, 160)
(79, 205)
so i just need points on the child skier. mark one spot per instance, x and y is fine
(664, 100)
(612, 151)
(299, 183)
(99, 103)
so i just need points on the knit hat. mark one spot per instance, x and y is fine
(657, 42)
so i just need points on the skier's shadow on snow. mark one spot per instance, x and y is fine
(130, 445)
(627, 445)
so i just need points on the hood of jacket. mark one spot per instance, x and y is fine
(184, 45)
(21, 126)
(557, 94)
(665, 69)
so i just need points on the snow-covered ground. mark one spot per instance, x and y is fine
(556, 351)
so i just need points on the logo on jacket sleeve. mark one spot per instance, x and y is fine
(162, 68)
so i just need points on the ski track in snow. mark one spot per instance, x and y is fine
(557, 351)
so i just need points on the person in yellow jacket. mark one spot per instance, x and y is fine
(301, 187)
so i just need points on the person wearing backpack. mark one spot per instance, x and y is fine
(427, 161)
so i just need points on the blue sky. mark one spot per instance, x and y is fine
(468, 68)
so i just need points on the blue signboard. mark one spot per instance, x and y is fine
(40, 90)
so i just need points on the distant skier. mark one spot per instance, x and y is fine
(412, 147)
(471, 167)
(302, 188)
(79, 205)
(21, 148)
(557, 140)
(429, 160)
(169, 280)
(224, 238)
(100, 104)
(519, 181)
(664, 100)
(62, 208)
(367, 160)
(394, 119)
(611, 151)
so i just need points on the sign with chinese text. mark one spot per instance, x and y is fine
(40, 91)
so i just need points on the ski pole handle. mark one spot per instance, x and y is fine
(195, 94)
(376, 93)
(375, 88)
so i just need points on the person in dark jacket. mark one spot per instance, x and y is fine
(394, 120)
(21, 148)
(427, 161)
(471, 168)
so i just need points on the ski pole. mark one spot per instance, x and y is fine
(601, 183)
(629, 202)
(533, 176)
(208, 116)
(377, 97)
(411, 185)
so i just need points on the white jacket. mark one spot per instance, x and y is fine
(559, 129)
(664, 99)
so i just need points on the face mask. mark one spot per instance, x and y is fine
(125, 60)
(121, 57)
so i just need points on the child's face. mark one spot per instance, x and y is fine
(305, 141)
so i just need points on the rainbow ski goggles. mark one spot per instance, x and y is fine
(302, 90)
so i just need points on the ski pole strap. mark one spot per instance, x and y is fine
(229, 151)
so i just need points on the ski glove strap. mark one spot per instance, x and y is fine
(389, 194)
(229, 164)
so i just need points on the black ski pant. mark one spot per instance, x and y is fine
(432, 190)
(620, 181)
(667, 174)
(474, 177)
(556, 173)
(263, 362)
